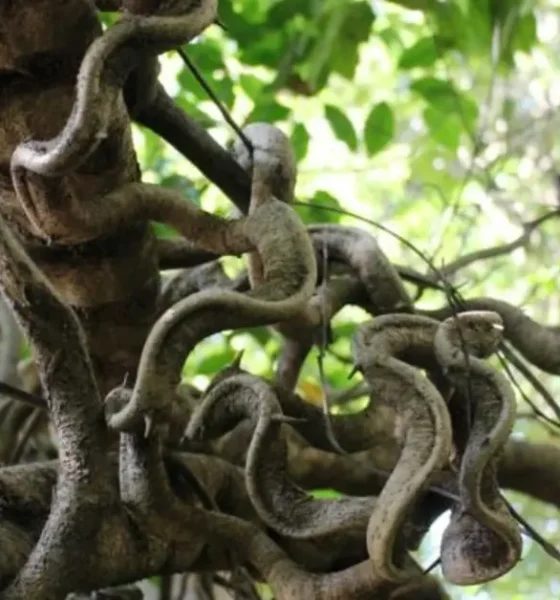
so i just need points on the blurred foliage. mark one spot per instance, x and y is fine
(437, 118)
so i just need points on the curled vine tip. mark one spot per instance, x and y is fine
(120, 419)
(115, 401)
(480, 332)
(482, 541)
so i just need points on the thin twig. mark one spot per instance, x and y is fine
(549, 548)
(455, 298)
(495, 251)
(531, 378)
(378, 225)
(320, 359)
(538, 413)
(432, 566)
(25, 433)
(204, 84)
(14, 393)
(451, 300)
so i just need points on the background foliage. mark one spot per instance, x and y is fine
(437, 118)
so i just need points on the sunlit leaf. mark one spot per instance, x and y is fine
(425, 5)
(379, 128)
(215, 362)
(445, 130)
(342, 28)
(325, 494)
(206, 56)
(424, 52)
(311, 392)
(269, 111)
(443, 96)
(300, 141)
(525, 34)
(251, 85)
(313, 212)
(341, 126)
(201, 117)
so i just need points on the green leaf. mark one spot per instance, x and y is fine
(379, 128)
(443, 96)
(434, 90)
(213, 363)
(355, 30)
(342, 126)
(108, 19)
(446, 130)
(206, 56)
(153, 149)
(424, 52)
(525, 36)
(221, 85)
(319, 64)
(424, 5)
(183, 185)
(269, 111)
(201, 117)
(300, 141)
(282, 12)
(264, 49)
(341, 29)
(238, 25)
(391, 38)
(251, 85)
(451, 20)
(359, 18)
(162, 231)
(313, 213)
(261, 334)
(325, 494)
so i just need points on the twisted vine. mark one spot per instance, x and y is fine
(285, 281)
(289, 510)
(148, 520)
(539, 344)
(483, 541)
(285, 250)
(108, 63)
(377, 349)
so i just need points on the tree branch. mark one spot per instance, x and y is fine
(60, 352)
(170, 122)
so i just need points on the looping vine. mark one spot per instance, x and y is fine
(283, 506)
(483, 540)
(143, 510)
(377, 349)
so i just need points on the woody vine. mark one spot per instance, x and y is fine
(152, 476)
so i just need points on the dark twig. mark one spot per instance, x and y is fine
(320, 359)
(14, 393)
(531, 378)
(25, 433)
(468, 259)
(378, 225)
(537, 411)
(549, 548)
(435, 563)
(204, 84)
